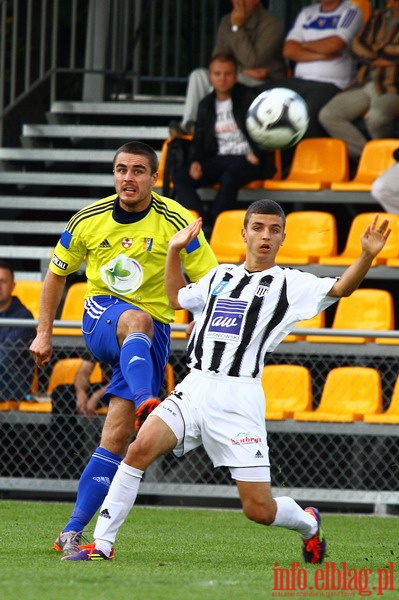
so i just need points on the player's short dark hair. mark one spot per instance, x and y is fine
(142, 149)
(225, 57)
(6, 265)
(264, 207)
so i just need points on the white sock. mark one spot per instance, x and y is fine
(292, 516)
(116, 506)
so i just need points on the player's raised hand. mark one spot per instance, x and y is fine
(182, 238)
(376, 234)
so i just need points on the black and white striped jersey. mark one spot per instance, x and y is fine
(241, 316)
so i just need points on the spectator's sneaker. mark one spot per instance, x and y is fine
(68, 541)
(89, 552)
(144, 410)
(315, 548)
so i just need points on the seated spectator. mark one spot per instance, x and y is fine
(319, 45)
(222, 151)
(69, 431)
(375, 95)
(81, 397)
(16, 363)
(254, 36)
(385, 188)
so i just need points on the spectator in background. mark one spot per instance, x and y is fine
(70, 403)
(319, 45)
(222, 151)
(82, 396)
(385, 188)
(254, 36)
(16, 363)
(375, 95)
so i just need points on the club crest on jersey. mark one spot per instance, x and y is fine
(127, 242)
(262, 290)
(227, 319)
(218, 289)
(148, 243)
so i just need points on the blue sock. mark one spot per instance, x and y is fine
(93, 487)
(136, 365)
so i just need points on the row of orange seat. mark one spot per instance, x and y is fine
(322, 163)
(349, 394)
(367, 308)
(311, 238)
(63, 372)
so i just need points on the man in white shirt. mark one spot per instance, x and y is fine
(319, 45)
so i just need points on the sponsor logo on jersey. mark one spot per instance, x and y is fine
(105, 244)
(242, 439)
(227, 319)
(59, 263)
(122, 275)
(127, 242)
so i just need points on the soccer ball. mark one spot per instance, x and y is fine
(277, 118)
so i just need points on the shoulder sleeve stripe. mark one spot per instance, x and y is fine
(88, 212)
(173, 216)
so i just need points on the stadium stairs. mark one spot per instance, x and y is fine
(64, 164)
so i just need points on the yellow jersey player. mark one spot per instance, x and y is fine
(124, 240)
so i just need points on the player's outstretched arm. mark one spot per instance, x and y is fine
(174, 278)
(41, 347)
(372, 242)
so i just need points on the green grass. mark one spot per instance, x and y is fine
(179, 554)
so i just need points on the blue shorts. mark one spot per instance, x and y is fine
(100, 320)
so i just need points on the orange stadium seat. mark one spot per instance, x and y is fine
(226, 240)
(375, 159)
(317, 322)
(366, 308)
(349, 393)
(63, 372)
(287, 388)
(311, 234)
(365, 7)
(316, 163)
(28, 291)
(72, 309)
(181, 318)
(352, 245)
(391, 415)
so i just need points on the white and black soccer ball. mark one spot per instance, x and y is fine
(277, 118)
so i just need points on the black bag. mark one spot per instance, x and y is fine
(176, 157)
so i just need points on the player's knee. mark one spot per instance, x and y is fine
(132, 321)
(263, 513)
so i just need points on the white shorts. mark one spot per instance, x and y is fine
(224, 414)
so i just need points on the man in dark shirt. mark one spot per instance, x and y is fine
(222, 152)
(16, 364)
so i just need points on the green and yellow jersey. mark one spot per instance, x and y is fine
(127, 259)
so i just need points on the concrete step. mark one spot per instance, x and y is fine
(25, 178)
(32, 227)
(171, 107)
(43, 203)
(95, 132)
(56, 155)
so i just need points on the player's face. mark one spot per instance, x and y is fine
(7, 286)
(263, 235)
(223, 76)
(133, 181)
